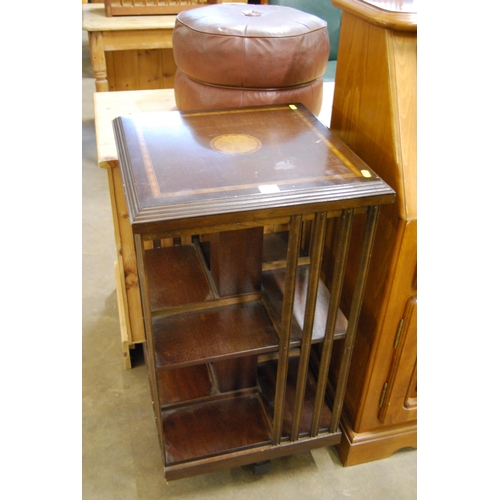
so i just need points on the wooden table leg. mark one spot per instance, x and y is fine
(98, 61)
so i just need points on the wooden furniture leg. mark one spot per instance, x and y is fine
(96, 47)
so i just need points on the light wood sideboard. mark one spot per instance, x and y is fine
(107, 107)
(374, 112)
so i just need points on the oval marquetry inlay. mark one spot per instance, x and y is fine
(235, 143)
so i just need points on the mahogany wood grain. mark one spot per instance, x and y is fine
(212, 428)
(285, 325)
(319, 171)
(274, 250)
(218, 333)
(150, 344)
(354, 313)
(267, 380)
(184, 384)
(169, 270)
(236, 260)
(247, 456)
(234, 374)
(273, 283)
(206, 171)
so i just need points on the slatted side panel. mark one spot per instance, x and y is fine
(148, 7)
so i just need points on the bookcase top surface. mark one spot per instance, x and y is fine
(177, 165)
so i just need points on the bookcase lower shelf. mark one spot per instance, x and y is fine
(205, 422)
(215, 361)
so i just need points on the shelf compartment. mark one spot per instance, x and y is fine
(273, 283)
(169, 269)
(275, 249)
(213, 334)
(267, 372)
(235, 374)
(216, 427)
(184, 384)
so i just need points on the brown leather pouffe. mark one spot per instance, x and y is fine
(232, 55)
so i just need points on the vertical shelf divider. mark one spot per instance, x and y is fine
(336, 290)
(318, 235)
(359, 289)
(150, 348)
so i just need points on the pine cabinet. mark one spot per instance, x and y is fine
(375, 113)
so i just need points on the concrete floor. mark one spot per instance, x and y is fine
(121, 455)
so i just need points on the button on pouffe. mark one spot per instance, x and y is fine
(231, 55)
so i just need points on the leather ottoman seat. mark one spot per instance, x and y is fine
(232, 55)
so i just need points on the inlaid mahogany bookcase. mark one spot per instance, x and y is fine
(230, 210)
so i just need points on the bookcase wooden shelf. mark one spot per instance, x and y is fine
(240, 326)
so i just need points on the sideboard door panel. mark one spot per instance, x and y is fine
(399, 398)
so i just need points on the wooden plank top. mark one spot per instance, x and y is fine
(179, 165)
(94, 19)
(110, 105)
(399, 15)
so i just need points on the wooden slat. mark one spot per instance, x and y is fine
(364, 261)
(335, 293)
(318, 239)
(124, 241)
(156, 7)
(137, 39)
(94, 19)
(123, 317)
(286, 324)
(273, 285)
(150, 348)
(267, 380)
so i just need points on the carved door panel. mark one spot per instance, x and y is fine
(398, 402)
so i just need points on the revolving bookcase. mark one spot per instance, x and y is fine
(230, 210)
